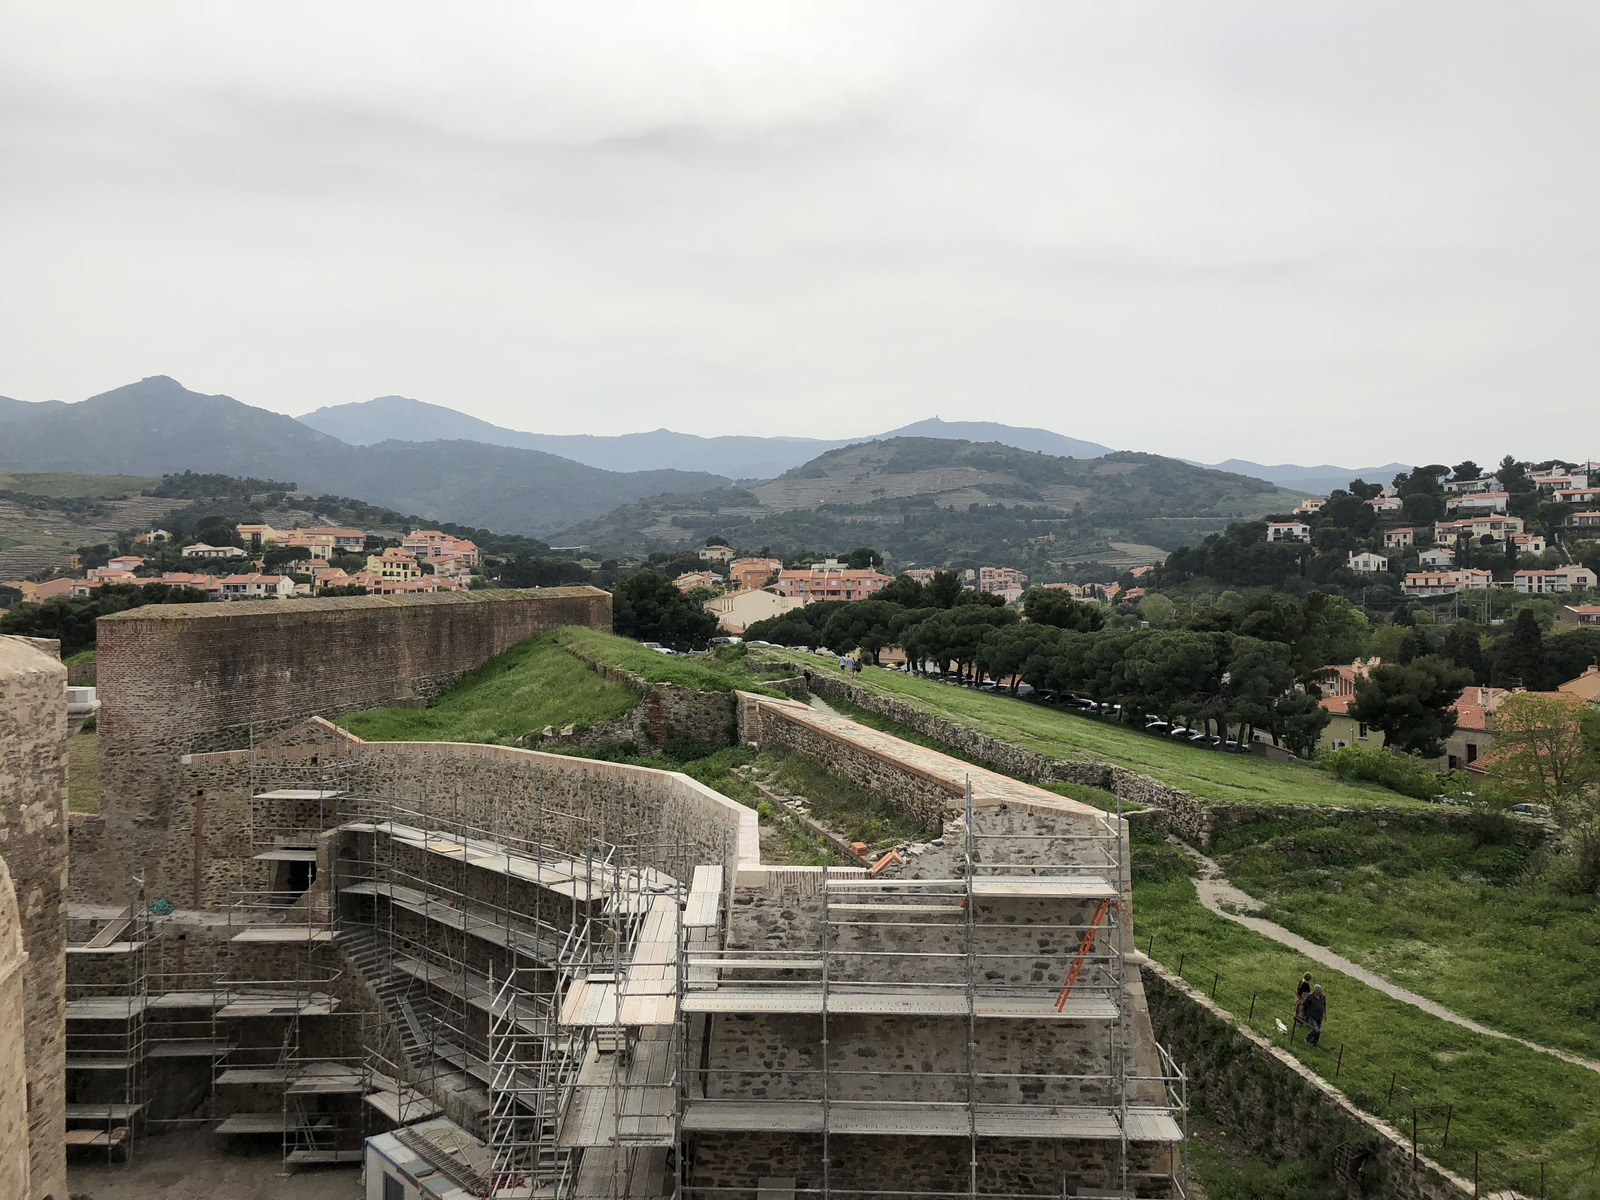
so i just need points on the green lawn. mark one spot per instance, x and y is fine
(1209, 774)
(1450, 915)
(724, 673)
(1515, 1106)
(534, 684)
(68, 485)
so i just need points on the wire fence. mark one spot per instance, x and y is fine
(1375, 1085)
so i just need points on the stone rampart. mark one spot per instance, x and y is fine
(176, 679)
(1279, 1106)
(200, 854)
(33, 842)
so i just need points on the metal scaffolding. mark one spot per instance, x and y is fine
(936, 948)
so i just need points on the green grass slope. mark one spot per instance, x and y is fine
(534, 684)
(724, 673)
(1515, 1106)
(1452, 916)
(1209, 774)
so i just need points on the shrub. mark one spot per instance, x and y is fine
(1408, 774)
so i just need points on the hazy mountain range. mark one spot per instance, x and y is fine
(445, 465)
(158, 426)
(733, 455)
(752, 458)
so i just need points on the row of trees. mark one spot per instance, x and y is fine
(1229, 670)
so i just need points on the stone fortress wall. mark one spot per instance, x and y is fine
(193, 678)
(33, 843)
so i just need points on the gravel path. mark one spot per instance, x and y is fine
(1220, 896)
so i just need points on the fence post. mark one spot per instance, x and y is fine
(1413, 1137)
(1449, 1109)
(1474, 1175)
(1339, 1066)
(1216, 977)
(1180, 966)
(1252, 1015)
(1391, 1088)
(1151, 952)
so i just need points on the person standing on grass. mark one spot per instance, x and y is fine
(1316, 1009)
(1300, 994)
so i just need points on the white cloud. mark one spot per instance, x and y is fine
(1313, 232)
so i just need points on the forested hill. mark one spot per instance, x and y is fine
(157, 427)
(939, 502)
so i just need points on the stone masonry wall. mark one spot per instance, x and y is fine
(200, 852)
(176, 679)
(1280, 1106)
(13, 1046)
(33, 841)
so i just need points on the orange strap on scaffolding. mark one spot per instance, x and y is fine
(1084, 948)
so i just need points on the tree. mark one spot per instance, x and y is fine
(1052, 606)
(1411, 703)
(649, 607)
(1519, 658)
(1463, 645)
(1466, 470)
(864, 557)
(864, 625)
(281, 556)
(905, 591)
(1157, 609)
(1544, 748)
(944, 589)
(714, 540)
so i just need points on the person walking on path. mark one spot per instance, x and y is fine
(1300, 994)
(1316, 1010)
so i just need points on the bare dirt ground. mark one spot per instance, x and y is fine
(194, 1166)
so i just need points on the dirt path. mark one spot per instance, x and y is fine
(1218, 895)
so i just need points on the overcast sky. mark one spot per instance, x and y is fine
(1286, 232)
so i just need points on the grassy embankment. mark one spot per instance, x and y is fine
(1516, 1106)
(1208, 774)
(1453, 915)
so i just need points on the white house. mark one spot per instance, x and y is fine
(1555, 579)
(1367, 563)
(1288, 531)
(1311, 504)
(1463, 487)
(257, 587)
(1437, 557)
(1446, 583)
(1482, 502)
(201, 550)
(1386, 503)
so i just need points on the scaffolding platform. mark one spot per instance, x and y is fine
(643, 1084)
(705, 898)
(272, 1122)
(311, 934)
(907, 1001)
(399, 1102)
(568, 877)
(100, 1062)
(323, 1157)
(194, 1049)
(103, 1138)
(108, 948)
(467, 918)
(317, 794)
(327, 1079)
(649, 983)
(890, 1119)
(287, 854)
(103, 1112)
(992, 887)
(304, 1004)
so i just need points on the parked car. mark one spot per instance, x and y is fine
(1531, 810)
(657, 647)
(729, 641)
